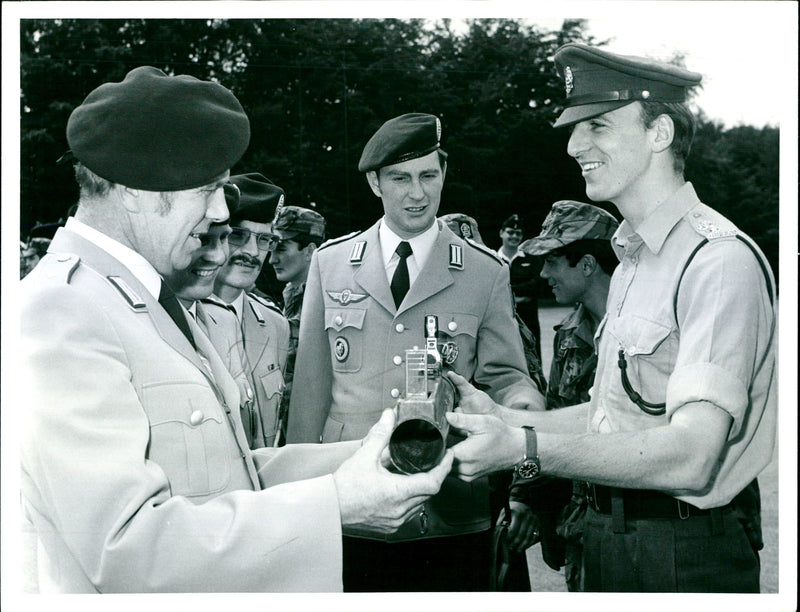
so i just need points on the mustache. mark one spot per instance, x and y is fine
(245, 259)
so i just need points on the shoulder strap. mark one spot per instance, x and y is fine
(701, 245)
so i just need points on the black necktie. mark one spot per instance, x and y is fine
(400, 279)
(170, 303)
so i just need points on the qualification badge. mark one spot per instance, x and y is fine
(341, 349)
(449, 352)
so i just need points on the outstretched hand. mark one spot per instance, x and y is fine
(491, 445)
(471, 400)
(372, 496)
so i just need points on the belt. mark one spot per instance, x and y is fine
(643, 503)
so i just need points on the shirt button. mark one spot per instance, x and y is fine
(196, 418)
(399, 328)
(395, 393)
(338, 320)
(397, 360)
(452, 326)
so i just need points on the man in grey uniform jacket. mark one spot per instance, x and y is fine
(136, 474)
(357, 322)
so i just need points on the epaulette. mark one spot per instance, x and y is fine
(265, 301)
(708, 228)
(131, 297)
(67, 264)
(483, 249)
(333, 241)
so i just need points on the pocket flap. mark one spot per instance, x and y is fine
(453, 324)
(339, 318)
(636, 335)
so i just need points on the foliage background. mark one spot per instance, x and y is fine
(316, 89)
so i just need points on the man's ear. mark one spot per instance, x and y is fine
(374, 183)
(664, 132)
(309, 250)
(588, 265)
(129, 198)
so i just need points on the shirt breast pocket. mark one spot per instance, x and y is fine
(458, 339)
(346, 337)
(649, 350)
(188, 437)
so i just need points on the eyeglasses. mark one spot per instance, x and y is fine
(240, 237)
(208, 238)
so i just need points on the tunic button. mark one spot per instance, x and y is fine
(249, 392)
(631, 350)
(196, 418)
(399, 328)
(338, 320)
(397, 360)
(395, 393)
(452, 326)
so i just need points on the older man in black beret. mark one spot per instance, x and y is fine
(136, 475)
(683, 409)
(367, 297)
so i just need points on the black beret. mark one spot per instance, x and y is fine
(258, 198)
(400, 139)
(598, 81)
(157, 132)
(513, 222)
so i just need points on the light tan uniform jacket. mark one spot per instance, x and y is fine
(351, 354)
(135, 471)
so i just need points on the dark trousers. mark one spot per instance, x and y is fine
(454, 563)
(699, 554)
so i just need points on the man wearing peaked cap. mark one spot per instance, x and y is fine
(132, 439)
(685, 382)
(366, 299)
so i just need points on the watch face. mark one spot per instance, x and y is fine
(528, 469)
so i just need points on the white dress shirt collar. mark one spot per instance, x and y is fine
(142, 269)
(421, 247)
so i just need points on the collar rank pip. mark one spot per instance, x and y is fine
(456, 257)
(357, 252)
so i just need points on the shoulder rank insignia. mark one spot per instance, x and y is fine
(259, 318)
(456, 256)
(346, 296)
(707, 228)
(357, 252)
(133, 299)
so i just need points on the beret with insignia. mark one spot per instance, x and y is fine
(258, 198)
(463, 226)
(598, 81)
(513, 222)
(400, 139)
(569, 221)
(157, 132)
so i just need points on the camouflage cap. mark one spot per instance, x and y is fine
(463, 226)
(569, 221)
(291, 221)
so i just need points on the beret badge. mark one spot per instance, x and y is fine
(568, 79)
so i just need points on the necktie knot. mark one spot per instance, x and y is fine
(403, 249)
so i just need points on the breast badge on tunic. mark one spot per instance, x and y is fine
(346, 296)
(449, 352)
(341, 349)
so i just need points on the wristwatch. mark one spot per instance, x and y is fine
(529, 467)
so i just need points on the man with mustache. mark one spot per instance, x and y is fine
(262, 336)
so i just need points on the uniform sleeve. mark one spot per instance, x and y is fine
(726, 324)
(313, 374)
(501, 368)
(104, 511)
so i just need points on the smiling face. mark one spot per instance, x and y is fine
(615, 152)
(567, 282)
(410, 192)
(244, 262)
(162, 225)
(197, 281)
(511, 238)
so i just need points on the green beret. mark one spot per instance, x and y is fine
(462, 226)
(569, 221)
(258, 198)
(291, 221)
(598, 81)
(400, 139)
(157, 132)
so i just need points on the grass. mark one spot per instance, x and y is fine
(547, 580)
